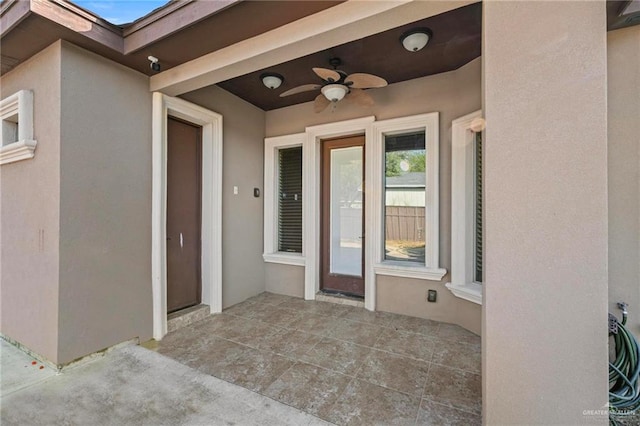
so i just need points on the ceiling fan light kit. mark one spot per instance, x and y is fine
(338, 85)
(271, 80)
(416, 39)
(334, 92)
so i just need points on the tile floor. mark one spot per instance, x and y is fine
(340, 363)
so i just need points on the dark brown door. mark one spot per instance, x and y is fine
(342, 222)
(184, 177)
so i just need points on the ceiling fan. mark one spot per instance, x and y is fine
(338, 85)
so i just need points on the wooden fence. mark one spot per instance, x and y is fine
(404, 223)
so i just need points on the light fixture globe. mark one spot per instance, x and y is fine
(416, 39)
(334, 92)
(271, 80)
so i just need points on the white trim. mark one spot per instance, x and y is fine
(430, 124)
(311, 203)
(462, 194)
(271, 146)
(21, 150)
(471, 291)
(284, 258)
(388, 268)
(19, 108)
(211, 123)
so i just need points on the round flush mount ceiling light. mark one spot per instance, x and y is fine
(334, 92)
(271, 80)
(415, 39)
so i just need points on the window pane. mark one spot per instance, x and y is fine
(290, 200)
(346, 211)
(405, 178)
(478, 208)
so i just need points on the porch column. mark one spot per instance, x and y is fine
(545, 302)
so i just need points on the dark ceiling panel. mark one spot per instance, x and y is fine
(456, 41)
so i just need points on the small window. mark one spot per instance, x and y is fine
(283, 200)
(466, 208)
(10, 129)
(290, 200)
(16, 117)
(477, 190)
(405, 182)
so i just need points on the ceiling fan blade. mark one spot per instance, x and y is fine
(328, 75)
(300, 89)
(360, 97)
(365, 81)
(320, 103)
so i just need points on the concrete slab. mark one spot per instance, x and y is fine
(135, 386)
(19, 370)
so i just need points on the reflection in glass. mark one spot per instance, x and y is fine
(346, 211)
(405, 179)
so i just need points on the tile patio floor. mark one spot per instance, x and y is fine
(340, 363)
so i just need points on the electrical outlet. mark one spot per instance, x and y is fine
(432, 295)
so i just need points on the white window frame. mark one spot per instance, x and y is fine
(429, 123)
(18, 107)
(271, 171)
(462, 210)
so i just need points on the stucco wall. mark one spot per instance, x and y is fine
(453, 95)
(242, 221)
(105, 205)
(29, 214)
(623, 54)
(545, 182)
(284, 279)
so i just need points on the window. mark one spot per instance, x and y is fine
(404, 195)
(290, 200)
(16, 115)
(477, 208)
(407, 218)
(466, 210)
(283, 242)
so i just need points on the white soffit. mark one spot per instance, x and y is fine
(348, 21)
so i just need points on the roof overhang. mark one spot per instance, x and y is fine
(180, 30)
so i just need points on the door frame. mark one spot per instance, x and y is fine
(211, 226)
(311, 201)
(326, 220)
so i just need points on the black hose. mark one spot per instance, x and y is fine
(624, 371)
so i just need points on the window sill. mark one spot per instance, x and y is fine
(434, 274)
(21, 150)
(470, 291)
(284, 258)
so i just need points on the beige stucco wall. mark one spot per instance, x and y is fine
(453, 95)
(242, 220)
(105, 205)
(545, 301)
(284, 279)
(29, 214)
(623, 66)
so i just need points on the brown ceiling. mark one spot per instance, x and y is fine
(456, 41)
